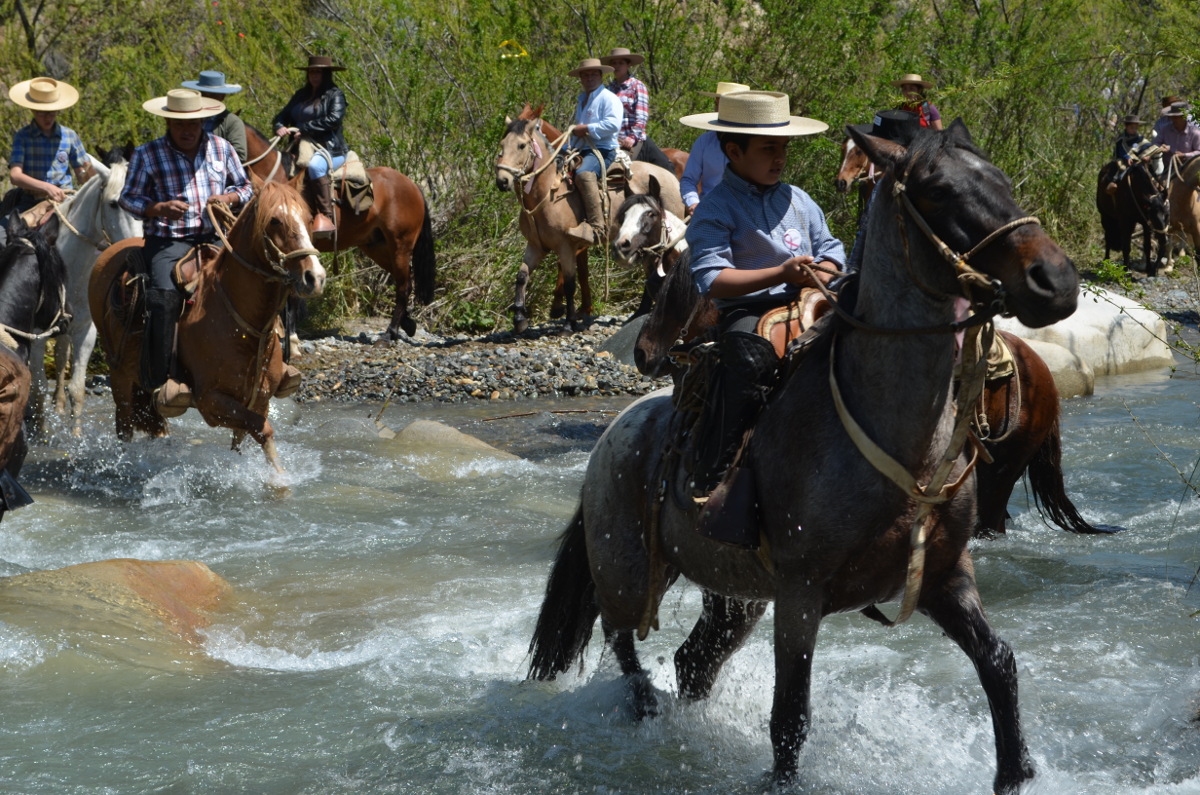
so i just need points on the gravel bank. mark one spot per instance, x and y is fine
(542, 363)
(545, 362)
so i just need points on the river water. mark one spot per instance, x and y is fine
(375, 641)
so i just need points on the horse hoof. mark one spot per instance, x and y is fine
(520, 324)
(410, 327)
(578, 324)
(556, 312)
(645, 703)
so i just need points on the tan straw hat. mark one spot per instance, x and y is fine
(590, 63)
(44, 93)
(321, 62)
(183, 103)
(620, 52)
(755, 113)
(914, 79)
(726, 88)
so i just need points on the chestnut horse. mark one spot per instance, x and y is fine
(395, 232)
(1016, 418)
(228, 350)
(550, 210)
(837, 533)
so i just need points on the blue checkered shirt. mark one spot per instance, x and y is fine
(740, 226)
(48, 156)
(159, 172)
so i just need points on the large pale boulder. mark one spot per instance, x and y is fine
(621, 343)
(1073, 376)
(147, 612)
(1109, 332)
(447, 454)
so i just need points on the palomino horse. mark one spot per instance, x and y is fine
(227, 347)
(1016, 418)
(837, 534)
(856, 169)
(678, 157)
(395, 232)
(1139, 199)
(91, 222)
(549, 210)
(647, 232)
(33, 307)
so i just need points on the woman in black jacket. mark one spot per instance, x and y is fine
(315, 114)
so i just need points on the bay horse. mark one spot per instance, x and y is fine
(648, 233)
(91, 221)
(835, 531)
(395, 232)
(1017, 417)
(227, 348)
(550, 209)
(1139, 200)
(33, 307)
(856, 170)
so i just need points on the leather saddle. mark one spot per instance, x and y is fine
(126, 297)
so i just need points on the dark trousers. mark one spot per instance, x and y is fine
(648, 152)
(161, 254)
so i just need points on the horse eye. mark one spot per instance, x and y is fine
(521, 146)
(276, 222)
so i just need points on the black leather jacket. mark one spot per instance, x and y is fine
(322, 126)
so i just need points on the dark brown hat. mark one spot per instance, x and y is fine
(321, 62)
(1133, 118)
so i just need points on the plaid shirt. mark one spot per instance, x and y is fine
(48, 156)
(636, 101)
(159, 172)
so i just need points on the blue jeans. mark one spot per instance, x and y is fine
(319, 166)
(590, 163)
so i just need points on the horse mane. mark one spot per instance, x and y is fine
(52, 271)
(270, 195)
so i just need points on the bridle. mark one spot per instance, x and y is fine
(276, 258)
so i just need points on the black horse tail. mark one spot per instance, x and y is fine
(424, 261)
(569, 610)
(1049, 492)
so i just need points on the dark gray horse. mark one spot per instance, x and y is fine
(835, 532)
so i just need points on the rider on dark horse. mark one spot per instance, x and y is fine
(315, 114)
(750, 267)
(171, 181)
(1131, 147)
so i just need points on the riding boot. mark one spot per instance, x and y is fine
(595, 229)
(289, 383)
(170, 397)
(322, 191)
(744, 380)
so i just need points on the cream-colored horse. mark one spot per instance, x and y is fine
(550, 209)
(1184, 216)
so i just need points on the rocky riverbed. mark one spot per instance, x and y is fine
(546, 362)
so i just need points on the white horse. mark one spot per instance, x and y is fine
(94, 221)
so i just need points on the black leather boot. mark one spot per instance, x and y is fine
(745, 378)
(171, 398)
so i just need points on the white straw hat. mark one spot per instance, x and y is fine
(726, 88)
(183, 103)
(44, 93)
(755, 113)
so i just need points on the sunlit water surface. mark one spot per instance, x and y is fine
(376, 639)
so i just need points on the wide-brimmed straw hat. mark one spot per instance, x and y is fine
(321, 62)
(620, 52)
(755, 113)
(44, 93)
(894, 125)
(914, 79)
(213, 83)
(726, 88)
(183, 103)
(590, 63)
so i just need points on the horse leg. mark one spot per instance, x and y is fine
(954, 605)
(585, 285)
(529, 261)
(62, 355)
(224, 410)
(82, 346)
(723, 627)
(645, 703)
(797, 618)
(557, 309)
(397, 262)
(567, 269)
(35, 410)
(1147, 240)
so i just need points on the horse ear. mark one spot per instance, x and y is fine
(958, 130)
(49, 229)
(507, 120)
(881, 151)
(654, 188)
(537, 112)
(297, 181)
(255, 180)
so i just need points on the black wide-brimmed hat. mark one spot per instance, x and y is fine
(894, 125)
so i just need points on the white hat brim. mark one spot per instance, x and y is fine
(68, 96)
(158, 106)
(797, 125)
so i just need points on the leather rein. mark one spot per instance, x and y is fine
(978, 331)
